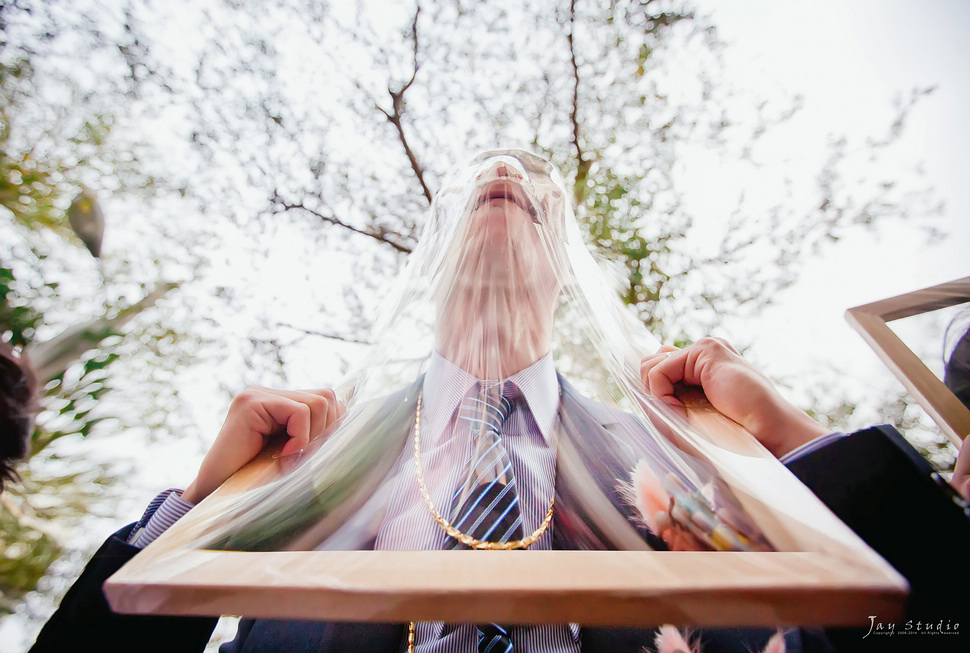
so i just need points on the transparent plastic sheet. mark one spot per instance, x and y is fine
(501, 279)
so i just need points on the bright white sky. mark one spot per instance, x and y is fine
(849, 59)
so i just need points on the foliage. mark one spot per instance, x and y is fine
(48, 285)
(18, 320)
(37, 519)
(28, 186)
(48, 499)
(278, 158)
(342, 126)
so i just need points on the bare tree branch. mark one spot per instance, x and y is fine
(379, 234)
(52, 357)
(332, 336)
(397, 104)
(582, 164)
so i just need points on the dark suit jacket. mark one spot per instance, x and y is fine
(868, 480)
(881, 487)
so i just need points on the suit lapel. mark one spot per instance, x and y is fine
(590, 510)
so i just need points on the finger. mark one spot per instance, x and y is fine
(654, 385)
(661, 372)
(295, 417)
(248, 412)
(727, 344)
(323, 409)
(335, 408)
(332, 405)
(649, 362)
(322, 404)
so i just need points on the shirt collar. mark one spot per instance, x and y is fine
(448, 384)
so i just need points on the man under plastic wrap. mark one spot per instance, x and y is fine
(506, 404)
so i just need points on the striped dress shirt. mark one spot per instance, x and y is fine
(529, 436)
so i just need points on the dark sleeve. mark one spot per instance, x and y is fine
(84, 621)
(880, 486)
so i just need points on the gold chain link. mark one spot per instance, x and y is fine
(467, 540)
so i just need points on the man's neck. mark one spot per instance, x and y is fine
(492, 352)
(491, 337)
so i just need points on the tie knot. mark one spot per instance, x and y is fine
(488, 408)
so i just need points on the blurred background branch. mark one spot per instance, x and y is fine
(180, 180)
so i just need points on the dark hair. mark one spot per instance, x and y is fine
(18, 405)
(956, 372)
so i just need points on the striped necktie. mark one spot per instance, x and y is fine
(488, 502)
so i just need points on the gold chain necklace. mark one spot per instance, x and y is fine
(467, 540)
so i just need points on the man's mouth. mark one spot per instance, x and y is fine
(507, 191)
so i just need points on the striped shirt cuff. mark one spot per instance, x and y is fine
(811, 446)
(164, 510)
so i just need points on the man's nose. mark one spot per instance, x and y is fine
(507, 171)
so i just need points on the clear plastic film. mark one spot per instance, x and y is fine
(502, 293)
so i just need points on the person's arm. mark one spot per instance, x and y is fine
(163, 511)
(84, 618)
(872, 479)
(735, 389)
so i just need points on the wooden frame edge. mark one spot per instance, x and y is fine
(831, 585)
(870, 320)
(603, 588)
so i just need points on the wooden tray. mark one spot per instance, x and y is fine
(829, 577)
